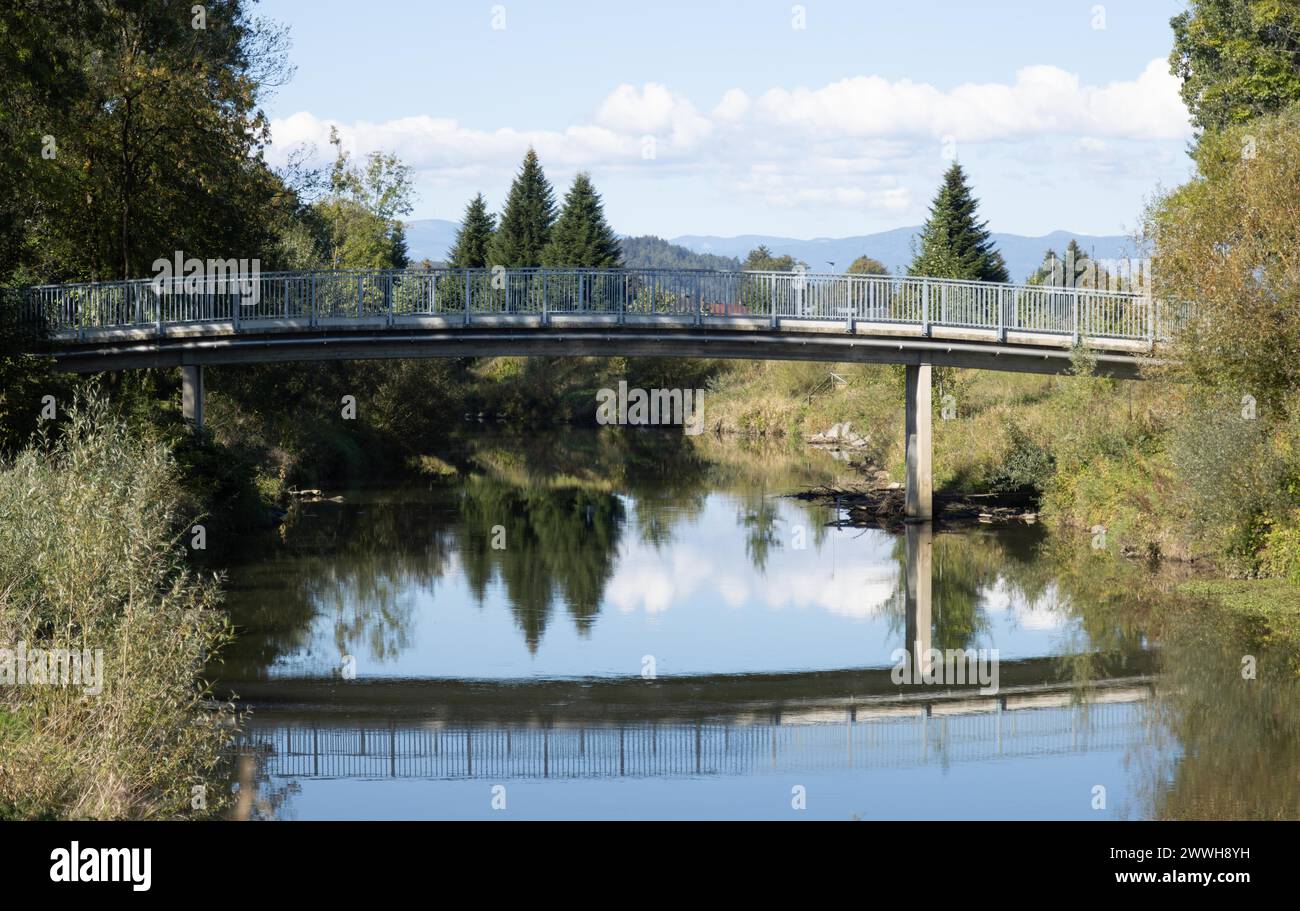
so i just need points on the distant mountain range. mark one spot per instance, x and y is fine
(431, 238)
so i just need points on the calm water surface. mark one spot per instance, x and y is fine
(614, 625)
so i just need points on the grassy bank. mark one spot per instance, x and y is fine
(92, 561)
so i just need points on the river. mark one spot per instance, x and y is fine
(639, 625)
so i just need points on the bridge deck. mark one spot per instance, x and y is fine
(449, 312)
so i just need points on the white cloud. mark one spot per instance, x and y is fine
(1041, 100)
(863, 144)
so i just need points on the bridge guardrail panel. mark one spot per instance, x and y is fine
(342, 295)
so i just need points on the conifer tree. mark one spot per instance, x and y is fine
(474, 237)
(581, 236)
(954, 243)
(525, 227)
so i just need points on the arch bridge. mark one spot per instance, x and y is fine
(224, 317)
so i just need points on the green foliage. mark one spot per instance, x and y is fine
(1026, 465)
(525, 226)
(126, 134)
(1238, 59)
(760, 259)
(24, 379)
(1072, 269)
(1233, 479)
(361, 214)
(474, 237)
(651, 252)
(405, 408)
(954, 243)
(1229, 242)
(90, 559)
(581, 236)
(865, 265)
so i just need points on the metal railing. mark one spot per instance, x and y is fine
(693, 747)
(395, 297)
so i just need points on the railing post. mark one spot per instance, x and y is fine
(772, 281)
(311, 316)
(1151, 323)
(1075, 333)
(925, 306)
(582, 303)
(467, 294)
(1002, 329)
(623, 299)
(543, 277)
(388, 296)
(286, 298)
(361, 286)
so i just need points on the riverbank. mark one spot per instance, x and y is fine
(103, 630)
(884, 506)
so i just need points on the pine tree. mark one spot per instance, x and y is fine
(582, 237)
(525, 227)
(954, 243)
(474, 237)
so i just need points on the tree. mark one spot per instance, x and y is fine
(954, 243)
(525, 226)
(360, 215)
(1229, 243)
(134, 134)
(474, 237)
(1237, 59)
(1072, 269)
(581, 236)
(760, 259)
(865, 265)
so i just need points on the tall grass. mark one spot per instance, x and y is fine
(92, 557)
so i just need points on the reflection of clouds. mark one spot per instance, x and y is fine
(653, 582)
(1045, 613)
(856, 593)
(654, 585)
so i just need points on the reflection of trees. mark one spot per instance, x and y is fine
(759, 516)
(355, 562)
(964, 567)
(560, 541)
(1237, 749)
(1104, 595)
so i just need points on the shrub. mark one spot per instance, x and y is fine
(91, 559)
(1025, 465)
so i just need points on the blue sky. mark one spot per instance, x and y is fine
(814, 119)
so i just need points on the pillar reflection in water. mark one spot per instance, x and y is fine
(920, 548)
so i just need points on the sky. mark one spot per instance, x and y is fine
(818, 119)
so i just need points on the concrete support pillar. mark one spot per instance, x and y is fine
(919, 600)
(192, 395)
(920, 473)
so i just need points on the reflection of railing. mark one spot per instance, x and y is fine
(392, 297)
(883, 736)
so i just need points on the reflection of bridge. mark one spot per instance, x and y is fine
(872, 735)
(331, 315)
